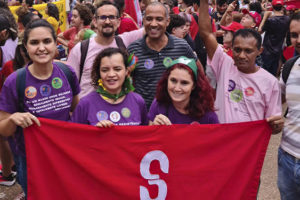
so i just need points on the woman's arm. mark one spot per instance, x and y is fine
(9, 122)
(61, 39)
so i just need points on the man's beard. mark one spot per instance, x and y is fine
(108, 34)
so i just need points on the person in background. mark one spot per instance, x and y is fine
(183, 96)
(7, 172)
(10, 34)
(81, 18)
(24, 17)
(107, 19)
(113, 101)
(178, 28)
(84, 34)
(127, 23)
(275, 25)
(53, 13)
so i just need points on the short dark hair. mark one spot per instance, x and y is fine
(108, 52)
(104, 3)
(36, 24)
(221, 2)
(175, 21)
(84, 13)
(277, 7)
(29, 2)
(255, 6)
(246, 33)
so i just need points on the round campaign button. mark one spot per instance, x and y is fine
(30, 92)
(115, 116)
(167, 61)
(57, 83)
(102, 115)
(126, 112)
(236, 95)
(45, 90)
(149, 64)
(249, 91)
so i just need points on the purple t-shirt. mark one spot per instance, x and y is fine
(50, 98)
(93, 108)
(178, 118)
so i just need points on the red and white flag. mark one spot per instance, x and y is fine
(207, 162)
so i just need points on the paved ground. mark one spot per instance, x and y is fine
(268, 189)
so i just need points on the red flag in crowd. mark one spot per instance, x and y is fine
(207, 162)
(132, 8)
(296, 3)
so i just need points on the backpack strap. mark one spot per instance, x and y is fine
(84, 46)
(20, 86)
(288, 65)
(120, 43)
(68, 74)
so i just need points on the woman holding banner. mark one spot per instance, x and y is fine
(183, 96)
(41, 89)
(112, 102)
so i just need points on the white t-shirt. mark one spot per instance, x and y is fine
(243, 97)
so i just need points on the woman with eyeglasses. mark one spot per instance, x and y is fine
(183, 96)
(81, 18)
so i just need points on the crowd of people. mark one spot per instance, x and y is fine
(190, 62)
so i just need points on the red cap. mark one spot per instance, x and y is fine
(234, 26)
(277, 2)
(254, 15)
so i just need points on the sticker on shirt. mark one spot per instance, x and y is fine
(102, 115)
(126, 112)
(57, 83)
(149, 64)
(249, 91)
(45, 90)
(236, 95)
(231, 85)
(167, 61)
(30, 92)
(114, 116)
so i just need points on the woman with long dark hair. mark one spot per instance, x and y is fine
(183, 96)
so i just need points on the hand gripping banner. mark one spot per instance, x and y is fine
(201, 162)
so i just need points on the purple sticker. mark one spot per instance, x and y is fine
(149, 64)
(231, 85)
(45, 90)
(102, 115)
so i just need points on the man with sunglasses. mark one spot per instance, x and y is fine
(107, 21)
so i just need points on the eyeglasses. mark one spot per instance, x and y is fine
(104, 17)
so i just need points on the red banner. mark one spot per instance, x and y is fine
(207, 162)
